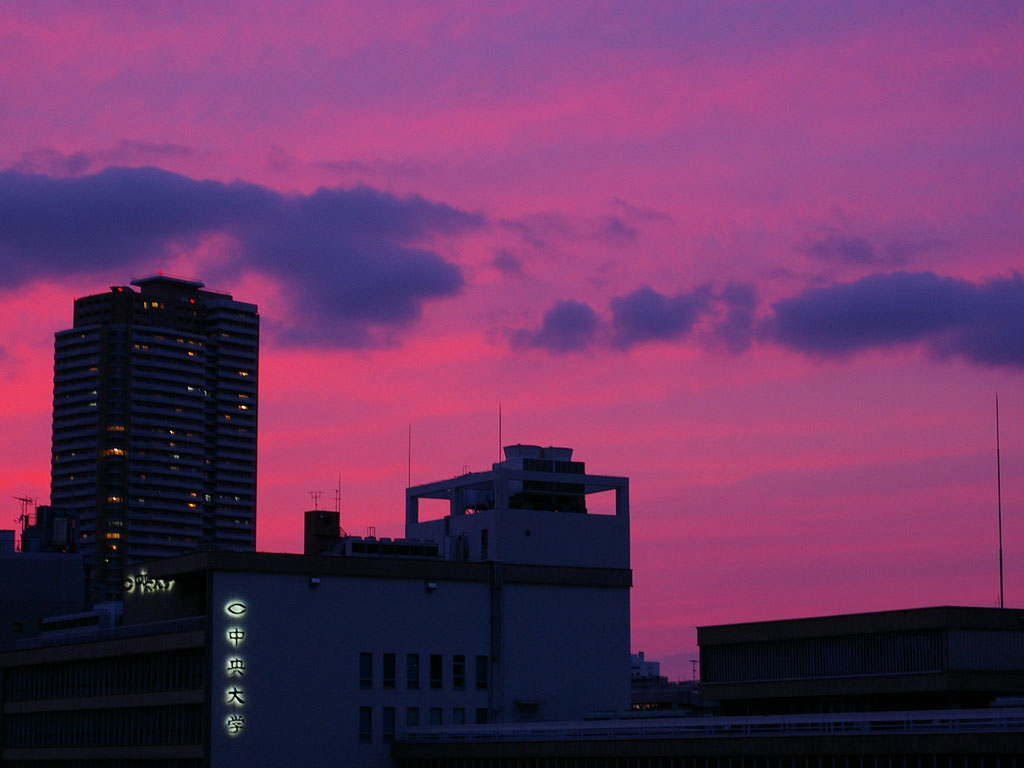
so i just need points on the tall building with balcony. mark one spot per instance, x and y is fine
(154, 424)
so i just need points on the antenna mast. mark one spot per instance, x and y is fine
(999, 505)
(499, 431)
(408, 477)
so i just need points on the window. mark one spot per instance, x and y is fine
(435, 716)
(388, 726)
(481, 673)
(435, 670)
(483, 544)
(365, 725)
(459, 672)
(366, 670)
(412, 670)
(459, 716)
(481, 716)
(412, 717)
(388, 674)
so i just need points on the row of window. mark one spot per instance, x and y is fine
(136, 726)
(436, 671)
(134, 673)
(433, 715)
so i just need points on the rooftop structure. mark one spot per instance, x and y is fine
(529, 508)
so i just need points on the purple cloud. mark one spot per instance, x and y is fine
(348, 256)
(736, 328)
(569, 326)
(979, 322)
(647, 315)
(844, 249)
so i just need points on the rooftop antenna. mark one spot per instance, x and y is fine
(999, 506)
(408, 476)
(25, 517)
(337, 496)
(499, 431)
(316, 499)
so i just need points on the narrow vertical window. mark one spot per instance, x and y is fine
(481, 716)
(412, 670)
(459, 672)
(388, 725)
(483, 544)
(388, 672)
(365, 725)
(435, 716)
(366, 670)
(435, 670)
(412, 717)
(459, 716)
(481, 673)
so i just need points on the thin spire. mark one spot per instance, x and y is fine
(999, 505)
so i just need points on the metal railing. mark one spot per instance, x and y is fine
(1010, 719)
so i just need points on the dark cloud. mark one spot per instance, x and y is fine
(845, 249)
(569, 326)
(53, 162)
(904, 251)
(548, 229)
(980, 322)
(616, 229)
(347, 256)
(735, 329)
(637, 212)
(647, 315)
(377, 167)
(725, 319)
(505, 261)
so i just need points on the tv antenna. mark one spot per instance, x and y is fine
(315, 495)
(25, 517)
(999, 506)
(337, 496)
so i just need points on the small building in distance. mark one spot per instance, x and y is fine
(924, 658)
(37, 585)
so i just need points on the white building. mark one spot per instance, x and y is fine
(231, 658)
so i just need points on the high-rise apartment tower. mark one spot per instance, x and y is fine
(154, 424)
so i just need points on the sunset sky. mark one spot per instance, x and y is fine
(761, 258)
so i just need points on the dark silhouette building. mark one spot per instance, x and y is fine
(154, 425)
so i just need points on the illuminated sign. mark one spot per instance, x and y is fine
(234, 667)
(143, 583)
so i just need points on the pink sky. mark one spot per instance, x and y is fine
(760, 258)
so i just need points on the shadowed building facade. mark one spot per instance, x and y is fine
(154, 425)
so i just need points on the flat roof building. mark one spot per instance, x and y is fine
(233, 658)
(923, 658)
